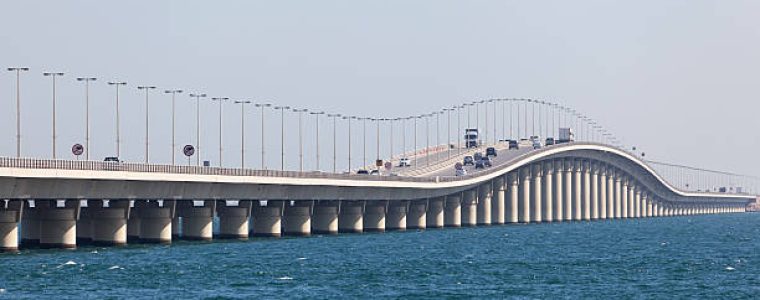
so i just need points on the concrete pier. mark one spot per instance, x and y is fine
(434, 215)
(197, 221)
(324, 218)
(567, 168)
(30, 225)
(133, 223)
(296, 220)
(58, 225)
(536, 196)
(351, 217)
(638, 203)
(84, 224)
(595, 207)
(374, 216)
(586, 190)
(267, 220)
(453, 211)
(624, 198)
(559, 209)
(156, 221)
(498, 201)
(109, 223)
(396, 216)
(604, 208)
(416, 218)
(618, 195)
(484, 210)
(577, 191)
(525, 180)
(10, 216)
(470, 208)
(548, 192)
(234, 220)
(513, 198)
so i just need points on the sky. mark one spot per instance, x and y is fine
(677, 79)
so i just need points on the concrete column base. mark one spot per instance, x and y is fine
(84, 225)
(197, 222)
(324, 219)
(470, 209)
(267, 220)
(374, 216)
(9, 219)
(416, 217)
(58, 226)
(453, 211)
(434, 215)
(351, 217)
(296, 220)
(233, 220)
(30, 226)
(155, 224)
(396, 216)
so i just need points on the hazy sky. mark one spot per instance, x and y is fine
(676, 78)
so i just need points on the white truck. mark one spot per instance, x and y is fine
(471, 138)
(566, 136)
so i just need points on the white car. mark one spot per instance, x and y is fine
(461, 172)
(404, 162)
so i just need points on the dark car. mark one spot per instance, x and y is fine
(468, 160)
(486, 161)
(513, 145)
(362, 172)
(477, 156)
(491, 151)
(479, 164)
(111, 159)
(550, 141)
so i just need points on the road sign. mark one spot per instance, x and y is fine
(379, 163)
(458, 166)
(388, 165)
(189, 150)
(77, 149)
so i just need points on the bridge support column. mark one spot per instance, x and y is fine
(610, 187)
(374, 216)
(536, 196)
(548, 192)
(435, 215)
(296, 219)
(233, 220)
(10, 215)
(514, 192)
(632, 199)
(397, 215)
(417, 216)
(559, 208)
(656, 209)
(586, 190)
(177, 224)
(638, 202)
(470, 208)
(197, 221)
(484, 209)
(618, 195)
(84, 224)
(58, 225)
(30, 225)
(156, 222)
(577, 191)
(109, 224)
(267, 220)
(568, 189)
(525, 179)
(324, 219)
(498, 215)
(648, 203)
(453, 210)
(624, 200)
(595, 207)
(133, 223)
(351, 217)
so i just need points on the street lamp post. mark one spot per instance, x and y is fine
(262, 106)
(198, 126)
(448, 131)
(174, 123)
(86, 81)
(348, 119)
(459, 127)
(300, 136)
(118, 131)
(416, 156)
(377, 139)
(242, 131)
(364, 140)
(53, 75)
(335, 140)
(147, 113)
(316, 114)
(427, 139)
(18, 71)
(282, 135)
(220, 100)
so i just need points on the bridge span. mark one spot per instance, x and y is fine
(61, 203)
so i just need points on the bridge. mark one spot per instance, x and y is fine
(60, 203)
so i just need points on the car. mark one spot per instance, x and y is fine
(362, 172)
(536, 144)
(513, 145)
(374, 172)
(550, 141)
(491, 151)
(487, 161)
(468, 160)
(111, 159)
(477, 156)
(404, 162)
(479, 164)
(461, 172)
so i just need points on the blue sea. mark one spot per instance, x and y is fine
(697, 257)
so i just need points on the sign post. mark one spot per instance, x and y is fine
(77, 150)
(188, 150)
